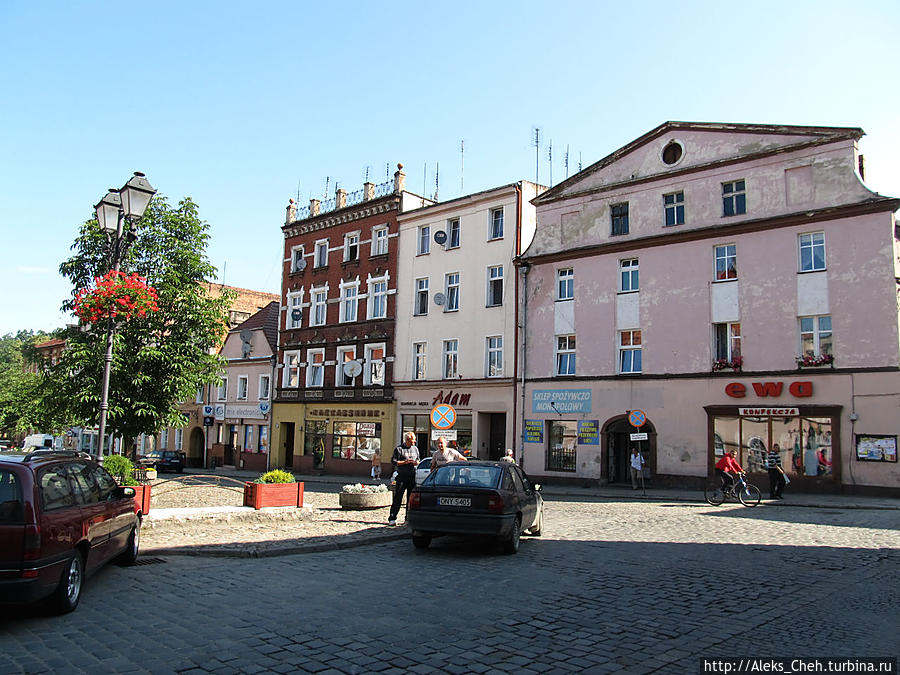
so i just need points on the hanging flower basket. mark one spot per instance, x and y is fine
(116, 295)
(721, 364)
(815, 361)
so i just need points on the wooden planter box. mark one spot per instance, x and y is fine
(262, 495)
(375, 500)
(142, 497)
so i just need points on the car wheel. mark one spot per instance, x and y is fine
(511, 544)
(68, 593)
(422, 541)
(130, 554)
(538, 526)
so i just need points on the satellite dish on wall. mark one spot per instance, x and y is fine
(439, 298)
(246, 335)
(300, 265)
(352, 368)
(296, 314)
(440, 237)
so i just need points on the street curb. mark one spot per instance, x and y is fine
(696, 500)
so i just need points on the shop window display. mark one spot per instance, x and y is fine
(356, 440)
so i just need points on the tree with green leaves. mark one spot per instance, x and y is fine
(22, 407)
(160, 358)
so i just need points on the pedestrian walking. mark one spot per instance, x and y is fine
(405, 459)
(637, 468)
(776, 472)
(508, 457)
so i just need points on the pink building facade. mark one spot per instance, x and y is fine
(736, 286)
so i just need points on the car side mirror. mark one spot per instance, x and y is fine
(537, 487)
(126, 491)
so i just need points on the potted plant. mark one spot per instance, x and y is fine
(122, 469)
(735, 364)
(811, 361)
(359, 496)
(273, 488)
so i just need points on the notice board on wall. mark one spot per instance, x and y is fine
(876, 448)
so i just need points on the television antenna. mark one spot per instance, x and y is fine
(462, 163)
(536, 142)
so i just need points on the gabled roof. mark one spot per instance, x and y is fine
(265, 319)
(809, 134)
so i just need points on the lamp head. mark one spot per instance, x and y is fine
(136, 195)
(107, 210)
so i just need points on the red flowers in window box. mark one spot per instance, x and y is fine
(721, 364)
(116, 295)
(809, 361)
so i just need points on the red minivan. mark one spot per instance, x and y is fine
(62, 516)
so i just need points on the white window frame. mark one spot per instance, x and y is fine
(817, 332)
(242, 388)
(629, 349)
(376, 307)
(495, 224)
(454, 233)
(727, 255)
(450, 360)
(673, 204)
(373, 372)
(291, 370)
(494, 280)
(351, 246)
(380, 236)
(263, 393)
(294, 302)
(296, 257)
(222, 390)
(164, 439)
(420, 360)
(349, 301)
(315, 369)
(318, 301)
(179, 439)
(451, 292)
(811, 242)
(321, 254)
(423, 240)
(199, 397)
(731, 338)
(732, 193)
(629, 268)
(344, 355)
(565, 355)
(565, 283)
(421, 297)
(493, 357)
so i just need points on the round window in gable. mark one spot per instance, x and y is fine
(672, 153)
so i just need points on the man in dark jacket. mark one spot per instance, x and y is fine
(405, 459)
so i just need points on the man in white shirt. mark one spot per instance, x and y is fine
(637, 467)
(444, 455)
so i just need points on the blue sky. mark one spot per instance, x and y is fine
(237, 103)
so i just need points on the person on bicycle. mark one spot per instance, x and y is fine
(727, 469)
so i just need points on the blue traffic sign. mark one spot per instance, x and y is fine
(637, 418)
(443, 416)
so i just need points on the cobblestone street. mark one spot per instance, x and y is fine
(610, 587)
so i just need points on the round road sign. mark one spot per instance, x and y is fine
(637, 418)
(443, 416)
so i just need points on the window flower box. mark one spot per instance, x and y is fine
(735, 364)
(815, 361)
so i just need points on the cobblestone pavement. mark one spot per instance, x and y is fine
(611, 587)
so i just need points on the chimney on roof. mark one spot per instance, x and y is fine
(314, 207)
(340, 198)
(368, 191)
(399, 180)
(291, 215)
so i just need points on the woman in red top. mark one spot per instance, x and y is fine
(727, 468)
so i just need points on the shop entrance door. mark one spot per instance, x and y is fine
(619, 450)
(497, 436)
(287, 430)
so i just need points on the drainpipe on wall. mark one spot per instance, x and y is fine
(517, 253)
(271, 405)
(525, 266)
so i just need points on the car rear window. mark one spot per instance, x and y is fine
(11, 509)
(460, 475)
(56, 493)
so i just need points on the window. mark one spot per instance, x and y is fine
(421, 307)
(263, 437)
(351, 247)
(734, 198)
(630, 351)
(424, 240)
(179, 438)
(322, 253)
(418, 360)
(562, 439)
(494, 360)
(674, 207)
(199, 398)
(496, 224)
(452, 286)
(292, 369)
(294, 309)
(319, 306)
(164, 439)
(619, 215)
(377, 298)
(242, 388)
(815, 336)
(297, 262)
(55, 490)
(263, 387)
(629, 275)
(315, 367)
(222, 392)
(380, 240)
(248, 438)
(345, 355)
(12, 508)
(727, 341)
(356, 440)
(349, 301)
(812, 252)
(726, 262)
(453, 233)
(451, 359)
(565, 354)
(374, 371)
(565, 284)
(495, 286)
(672, 152)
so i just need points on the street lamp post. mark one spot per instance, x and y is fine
(118, 206)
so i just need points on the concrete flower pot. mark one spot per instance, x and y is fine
(375, 500)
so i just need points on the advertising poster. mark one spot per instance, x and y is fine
(589, 432)
(872, 448)
(534, 431)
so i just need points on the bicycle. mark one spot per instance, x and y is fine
(745, 492)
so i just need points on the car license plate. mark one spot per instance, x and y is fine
(454, 501)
